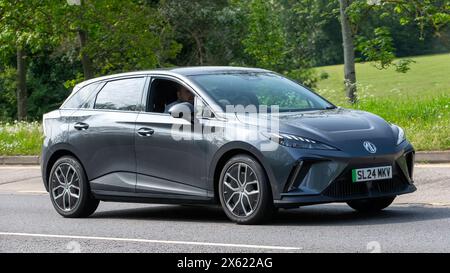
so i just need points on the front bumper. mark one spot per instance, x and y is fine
(325, 180)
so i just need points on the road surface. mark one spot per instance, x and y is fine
(419, 222)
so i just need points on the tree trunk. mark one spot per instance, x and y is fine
(85, 60)
(198, 43)
(349, 52)
(21, 85)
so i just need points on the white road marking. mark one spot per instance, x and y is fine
(21, 167)
(148, 241)
(440, 165)
(38, 192)
(432, 204)
(19, 180)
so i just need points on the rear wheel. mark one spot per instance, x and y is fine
(69, 189)
(371, 205)
(244, 191)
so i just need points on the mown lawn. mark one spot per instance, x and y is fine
(429, 76)
(419, 100)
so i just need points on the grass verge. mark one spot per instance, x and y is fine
(20, 138)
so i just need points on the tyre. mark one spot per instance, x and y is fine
(244, 191)
(371, 205)
(69, 189)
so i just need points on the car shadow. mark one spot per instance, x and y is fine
(341, 215)
(330, 214)
(186, 213)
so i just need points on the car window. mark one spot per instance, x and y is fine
(124, 95)
(201, 109)
(164, 94)
(80, 98)
(259, 89)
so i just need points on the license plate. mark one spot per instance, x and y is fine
(370, 174)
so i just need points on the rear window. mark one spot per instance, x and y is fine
(81, 98)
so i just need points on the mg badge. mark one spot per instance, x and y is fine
(370, 147)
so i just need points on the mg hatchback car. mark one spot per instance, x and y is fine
(248, 139)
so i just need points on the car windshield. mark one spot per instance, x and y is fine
(260, 89)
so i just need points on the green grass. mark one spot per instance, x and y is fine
(426, 122)
(20, 138)
(418, 101)
(429, 75)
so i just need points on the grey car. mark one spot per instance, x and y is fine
(247, 139)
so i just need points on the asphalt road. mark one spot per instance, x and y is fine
(419, 222)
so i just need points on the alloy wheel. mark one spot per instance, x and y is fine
(65, 187)
(241, 190)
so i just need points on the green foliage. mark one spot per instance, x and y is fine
(122, 35)
(199, 27)
(266, 39)
(379, 47)
(380, 51)
(274, 43)
(435, 13)
(25, 24)
(313, 31)
(46, 83)
(7, 93)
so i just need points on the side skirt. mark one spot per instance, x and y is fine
(109, 196)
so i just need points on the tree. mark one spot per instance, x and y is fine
(270, 40)
(435, 13)
(349, 51)
(201, 27)
(115, 35)
(378, 47)
(266, 40)
(24, 30)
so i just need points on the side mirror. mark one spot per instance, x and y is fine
(184, 110)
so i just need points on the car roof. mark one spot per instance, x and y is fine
(180, 71)
(202, 70)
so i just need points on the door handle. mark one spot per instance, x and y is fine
(145, 132)
(81, 126)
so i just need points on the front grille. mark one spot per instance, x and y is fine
(343, 187)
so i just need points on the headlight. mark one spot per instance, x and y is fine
(297, 141)
(401, 134)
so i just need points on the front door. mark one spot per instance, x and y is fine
(169, 165)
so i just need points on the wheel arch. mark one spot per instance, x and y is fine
(226, 153)
(55, 155)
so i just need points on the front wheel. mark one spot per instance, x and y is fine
(371, 205)
(244, 191)
(69, 189)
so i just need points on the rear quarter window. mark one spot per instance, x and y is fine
(81, 98)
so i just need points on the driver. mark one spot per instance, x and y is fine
(183, 95)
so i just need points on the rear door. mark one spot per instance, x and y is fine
(103, 135)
